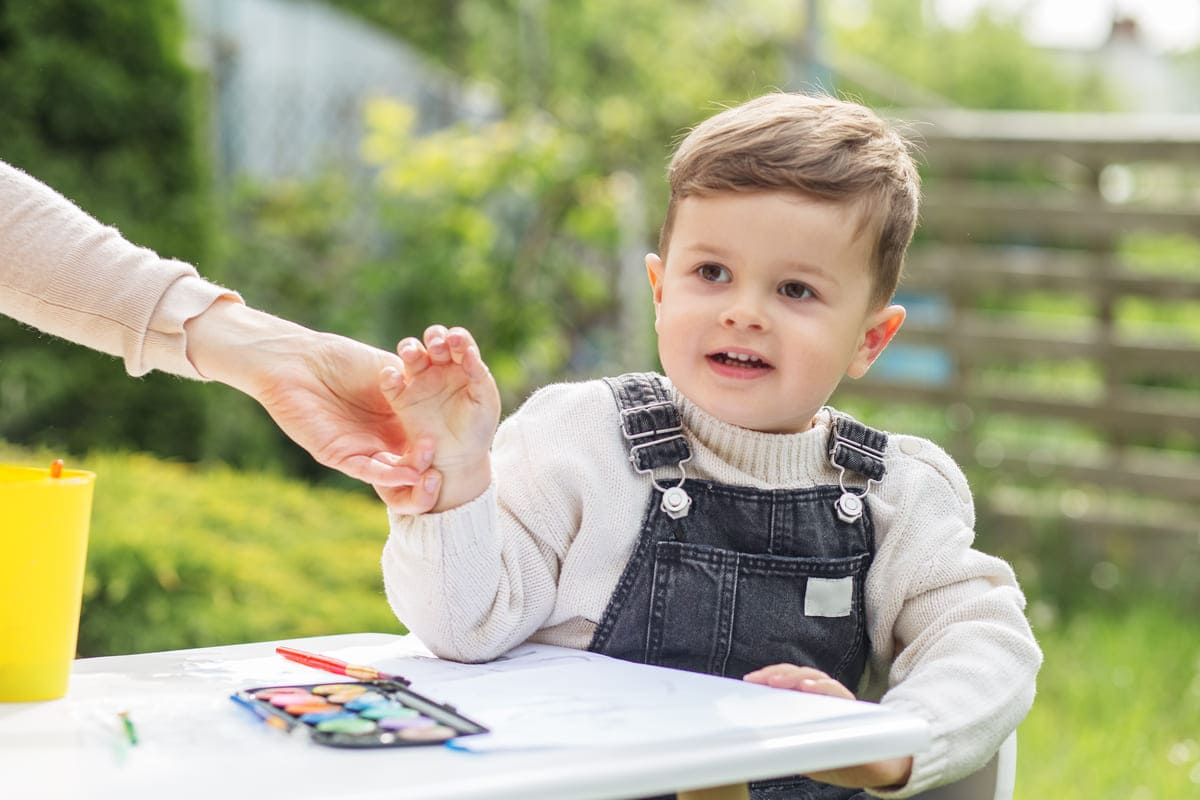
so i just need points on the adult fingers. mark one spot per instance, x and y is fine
(389, 469)
(416, 499)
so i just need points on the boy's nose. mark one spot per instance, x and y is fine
(744, 314)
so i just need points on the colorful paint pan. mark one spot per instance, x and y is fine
(347, 723)
(436, 733)
(365, 700)
(312, 707)
(388, 711)
(313, 718)
(405, 723)
(347, 689)
(363, 714)
(282, 700)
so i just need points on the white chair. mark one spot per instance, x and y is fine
(995, 781)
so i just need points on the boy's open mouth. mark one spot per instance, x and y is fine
(742, 360)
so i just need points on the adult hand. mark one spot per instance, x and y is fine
(322, 390)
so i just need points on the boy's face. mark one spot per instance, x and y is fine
(764, 304)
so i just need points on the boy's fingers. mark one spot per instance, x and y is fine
(793, 676)
(474, 364)
(460, 342)
(412, 352)
(482, 386)
(826, 686)
(788, 670)
(436, 345)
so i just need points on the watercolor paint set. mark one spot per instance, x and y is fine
(380, 711)
(362, 714)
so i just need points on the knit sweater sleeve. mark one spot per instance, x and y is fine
(64, 273)
(477, 580)
(948, 618)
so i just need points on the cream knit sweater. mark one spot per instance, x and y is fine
(64, 273)
(538, 555)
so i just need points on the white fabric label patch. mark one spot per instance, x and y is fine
(828, 597)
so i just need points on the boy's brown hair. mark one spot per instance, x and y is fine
(814, 145)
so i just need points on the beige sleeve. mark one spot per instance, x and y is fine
(64, 273)
(947, 621)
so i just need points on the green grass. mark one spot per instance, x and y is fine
(1118, 708)
(184, 556)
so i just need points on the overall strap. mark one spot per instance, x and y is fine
(650, 422)
(856, 447)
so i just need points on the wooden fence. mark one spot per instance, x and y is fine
(1086, 416)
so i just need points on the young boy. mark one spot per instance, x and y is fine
(723, 519)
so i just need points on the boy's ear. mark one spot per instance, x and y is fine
(654, 270)
(878, 331)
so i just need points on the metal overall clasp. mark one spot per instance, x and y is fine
(675, 500)
(850, 506)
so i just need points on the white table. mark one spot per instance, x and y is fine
(195, 743)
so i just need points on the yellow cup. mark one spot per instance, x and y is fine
(44, 530)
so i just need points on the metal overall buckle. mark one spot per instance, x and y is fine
(849, 506)
(675, 500)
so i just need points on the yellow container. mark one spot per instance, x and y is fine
(44, 531)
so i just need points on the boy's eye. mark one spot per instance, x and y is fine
(795, 290)
(713, 273)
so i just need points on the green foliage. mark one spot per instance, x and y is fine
(97, 103)
(494, 229)
(511, 228)
(1158, 254)
(505, 229)
(181, 557)
(986, 65)
(624, 76)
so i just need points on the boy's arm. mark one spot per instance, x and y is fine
(948, 629)
(446, 395)
(476, 580)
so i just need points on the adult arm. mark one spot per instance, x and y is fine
(64, 273)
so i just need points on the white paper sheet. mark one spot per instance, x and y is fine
(539, 696)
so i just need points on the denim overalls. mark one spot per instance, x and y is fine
(726, 579)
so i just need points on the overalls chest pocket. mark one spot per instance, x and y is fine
(759, 578)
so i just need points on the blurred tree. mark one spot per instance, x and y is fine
(520, 229)
(505, 229)
(508, 229)
(99, 104)
(624, 76)
(987, 64)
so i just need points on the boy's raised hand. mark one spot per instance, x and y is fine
(446, 393)
(877, 774)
